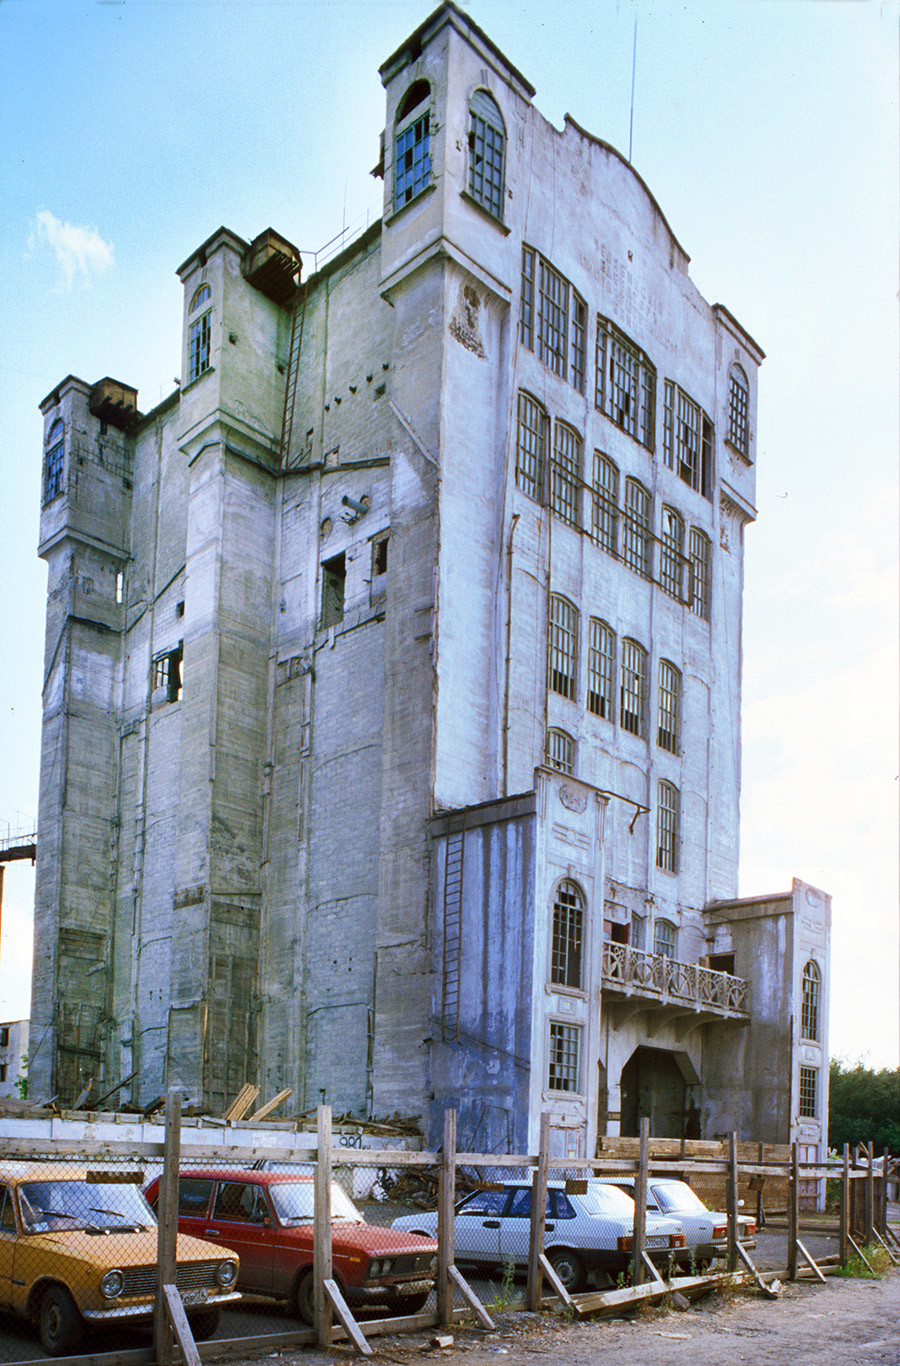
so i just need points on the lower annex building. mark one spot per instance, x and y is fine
(392, 733)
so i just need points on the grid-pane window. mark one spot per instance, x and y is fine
(687, 439)
(671, 553)
(601, 670)
(562, 652)
(633, 690)
(53, 461)
(565, 473)
(526, 320)
(809, 1078)
(565, 1049)
(579, 315)
(809, 1008)
(626, 383)
(553, 317)
(198, 346)
(698, 566)
(559, 751)
(738, 410)
(531, 446)
(486, 144)
(664, 934)
(667, 828)
(669, 706)
(566, 949)
(636, 527)
(605, 503)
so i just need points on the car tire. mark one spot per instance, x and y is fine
(569, 1268)
(302, 1303)
(204, 1325)
(60, 1326)
(408, 1304)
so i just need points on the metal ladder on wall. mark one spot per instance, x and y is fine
(453, 880)
(298, 316)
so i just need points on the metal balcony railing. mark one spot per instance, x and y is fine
(661, 980)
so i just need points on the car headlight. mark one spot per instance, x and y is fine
(375, 1267)
(386, 1266)
(112, 1284)
(226, 1274)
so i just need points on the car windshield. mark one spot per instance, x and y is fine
(676, 1195)
(75, 1204)
(607, 1200)
(294, 1203)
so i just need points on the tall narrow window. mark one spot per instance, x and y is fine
(565, 1049)
(199, 333)
(559, 751)
(487, 141)
(531, 447)
(671, 553)
(699, 560)
(664, 938)
(601, 670)
(636, 528)
(553, 317)
(809, 1009)
(412, 156)
(626, 383)
(687, 439)
(526, 319)
(669, 706)
(565, 473)
(605, 526)
(566, 949)
(633, 690)
(562, 653)
(667, 814)
(738, 410)
(53, 460)
(334, 574)
(809, 1078)
(579, 319)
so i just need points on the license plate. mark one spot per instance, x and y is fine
(194, 1297)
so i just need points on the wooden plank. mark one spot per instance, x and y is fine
(845, 1205)
(322, 1271)
(860, 1254)
(83, 1094)
(348, 1322)
(470, 1297)
(559, 1289)
(270, 1105)
(752, 1268)
(538, 1217)
(793, 1214)
(809, 1260)
(241, 1103)
(650, 1265)
(731, 1202)
(167, 1229)
(870, 1192)
(446, 1218)
(613, 1301)
(180, 1326)
(888, 1250)
(640, 1202)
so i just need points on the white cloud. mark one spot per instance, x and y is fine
(79, 251)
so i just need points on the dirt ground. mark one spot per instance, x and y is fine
(841, 1322)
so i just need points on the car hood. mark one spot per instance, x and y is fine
(118, 1249)
(378, 1242)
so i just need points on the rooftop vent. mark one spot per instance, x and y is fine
(272, 265)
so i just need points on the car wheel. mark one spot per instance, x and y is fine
(204, 1325)
(59, 1323)
(569, 1268)
(303, 1299)
(408, 1304)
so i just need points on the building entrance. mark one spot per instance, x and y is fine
(653, 1084)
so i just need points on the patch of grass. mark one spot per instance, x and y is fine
(855, 1268)
(505, 1291)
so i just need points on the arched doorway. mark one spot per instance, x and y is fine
(654, 1084)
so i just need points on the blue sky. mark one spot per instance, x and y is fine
(768, 132)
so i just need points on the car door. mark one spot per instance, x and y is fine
(242, 1221)
(7, 1244)
(515, 1226)
(476, 1229)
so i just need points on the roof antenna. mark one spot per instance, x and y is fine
(633, 66)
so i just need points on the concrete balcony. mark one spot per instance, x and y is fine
(667, 992)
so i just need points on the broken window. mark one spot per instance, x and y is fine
(688, 440)
(199, 334)
(626, 383)
(809, 1078)
(559, 751)
(601, 670)
(606, 503)
(562, 647)
(167, 672)
(565, 1050)
(53, 461)
(412, 143)
(565, 473)
(487, 140)
(553, 318)
(636, 543)
(667, 816)
(566, 948)
(669, 706)
(698, 565)
(531, 447)
(738, 410)
(633, 689)
(334, 575)
(809, 1008)
(671, 553)
(380, 554)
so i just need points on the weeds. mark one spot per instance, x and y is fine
(855, 1268)
(505, 1291)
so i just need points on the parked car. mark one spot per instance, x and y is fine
(76, 1249)
(587, 1232)
(267, 1217)
(705, 1231)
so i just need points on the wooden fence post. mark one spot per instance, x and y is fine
(793, 1213)
(760, 1158)
(882, 1212)
(167, 1228)
(322, 1226)
(731, 1202)
(640, 1204)
(845, 1207)
(870, 1193)
(446, 1204)
(538, 1219)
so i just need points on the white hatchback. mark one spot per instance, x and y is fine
(589, 1227)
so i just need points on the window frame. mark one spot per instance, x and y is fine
(668, 826)
(167, 672)
(553, 319)
(601, 684)
(699, 573)
(564, 1057)
(808, 1093)
(633, 688)
(559, 751)
(565, 473)
(625, 371)
(668, 721)
(605, 501)
(568, 924)
(531, 456)
(54, 461)
(739, 410)
(412, 124)
(636, 523)
(199, 333)
(671, 553)
(562, 658)
(487, 126)
(688, 439)
(665, 944)
(810, 995)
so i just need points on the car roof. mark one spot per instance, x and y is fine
(230, 1174)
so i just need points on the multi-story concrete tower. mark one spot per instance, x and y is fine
(394, 749)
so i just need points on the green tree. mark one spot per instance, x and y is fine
(864, 1106)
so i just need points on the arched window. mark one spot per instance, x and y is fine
(562, 647)
(606, 502)
(487, 141)
(601, 695)
(671, 553)
(809, 1007)
(412, 141)
(531, 447)
(739, 410)
(669, 706)
(633, 689)
(667, 821)
(53, 460)
(664, 936)
(699, 571)
(199, 332)
(567, 945)
(565, 473)
(559, 751)
(636, 546)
